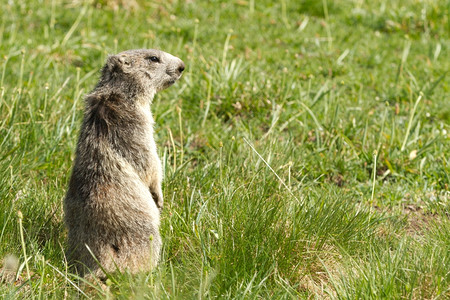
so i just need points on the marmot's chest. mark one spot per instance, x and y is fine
(148, 153)
(147, 127)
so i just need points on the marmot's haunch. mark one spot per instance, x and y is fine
(111, 206)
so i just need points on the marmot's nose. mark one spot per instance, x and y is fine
(180, 67)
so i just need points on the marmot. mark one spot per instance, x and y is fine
(112, 206)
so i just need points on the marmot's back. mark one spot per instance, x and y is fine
(111, 206)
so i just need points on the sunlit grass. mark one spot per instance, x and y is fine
(305, 149)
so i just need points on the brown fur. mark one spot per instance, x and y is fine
(111, 206)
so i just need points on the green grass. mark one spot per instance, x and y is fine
(305, 149)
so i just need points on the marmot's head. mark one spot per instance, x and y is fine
(152, 70)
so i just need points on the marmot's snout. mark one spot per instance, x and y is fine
(174, 71)
(180, 68)
(176, 68)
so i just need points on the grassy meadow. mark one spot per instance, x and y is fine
(305, 149)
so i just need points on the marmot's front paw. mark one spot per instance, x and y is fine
(158, 198)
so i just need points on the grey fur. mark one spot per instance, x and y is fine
(111, 206)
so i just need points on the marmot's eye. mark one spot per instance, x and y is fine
(153, 58)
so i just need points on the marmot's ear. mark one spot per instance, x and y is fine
(119, 62)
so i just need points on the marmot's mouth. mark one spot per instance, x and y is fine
(166, 84)
(170, 82)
